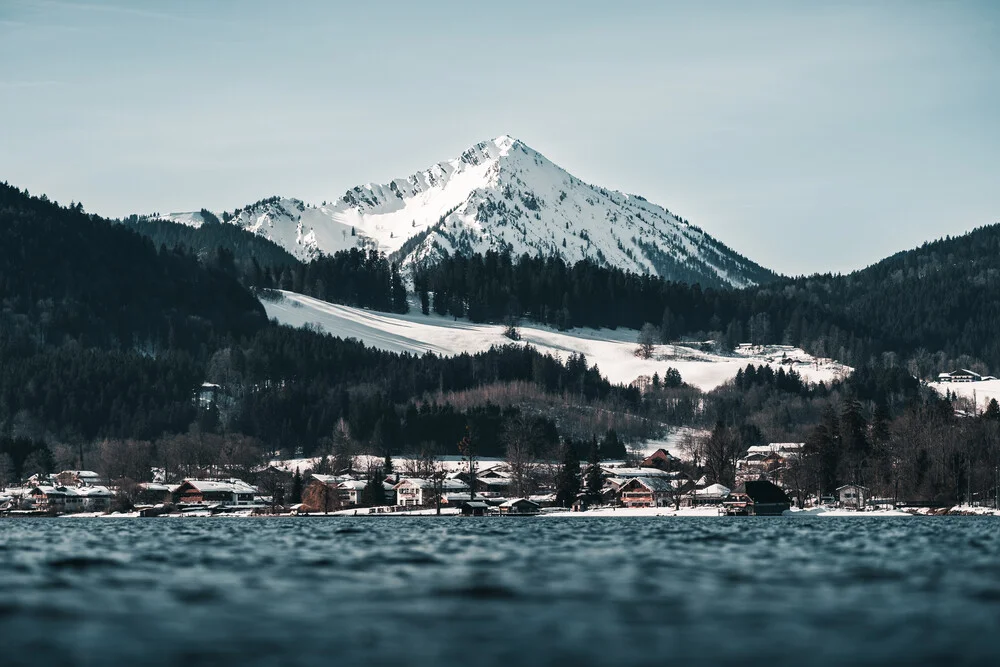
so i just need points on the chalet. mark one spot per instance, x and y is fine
(714, 494)
(69, 499)
(154, 493)
(56, 499)
(78, 478)
(660, 459)
(211, 491)
(492, 485)
(646, 492)
(852, 496)
(519, 507)
(961, 375)
(474, 508)
(415, 491)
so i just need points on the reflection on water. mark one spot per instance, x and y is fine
(538, 591)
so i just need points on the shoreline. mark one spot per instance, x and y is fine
(601, 512)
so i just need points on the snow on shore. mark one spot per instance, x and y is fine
(612, 350)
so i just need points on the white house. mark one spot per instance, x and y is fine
(852, 496)
(415, 491)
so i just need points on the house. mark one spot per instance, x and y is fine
(78, 478)
(96, 498)
(714, 494)
(492, 485)
(474, 508)
(757, 498)
(961, 375)
(852, 496)
(415, 491)
(323, 494)
(154, 493)
(212, 491)
(70, 499)
(646, 492)
(207, 395)
(519, 506)
(660, 459)
(56, 499)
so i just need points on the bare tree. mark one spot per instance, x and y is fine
(520, 441)
(647, 341)
(721, 453)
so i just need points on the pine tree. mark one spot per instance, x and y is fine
(595, 478)
(568, 479)
(387, 465)
(297, 487)
(612, 447)
(373, 495)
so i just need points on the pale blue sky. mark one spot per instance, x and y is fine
(809, 136)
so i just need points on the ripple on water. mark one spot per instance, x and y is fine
(540, 591)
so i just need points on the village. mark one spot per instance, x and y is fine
(452, 486)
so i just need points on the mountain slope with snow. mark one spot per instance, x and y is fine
(501, 195)
(613, 351)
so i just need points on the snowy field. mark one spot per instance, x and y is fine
(613, 351)
(979, 392)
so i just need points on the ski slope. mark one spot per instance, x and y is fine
(613, 351)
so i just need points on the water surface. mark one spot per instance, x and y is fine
(534, 591)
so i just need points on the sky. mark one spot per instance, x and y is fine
(810, 137)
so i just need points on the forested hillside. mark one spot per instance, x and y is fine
(938, 304)
(231, 247)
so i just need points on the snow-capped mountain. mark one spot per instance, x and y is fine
(500, 195)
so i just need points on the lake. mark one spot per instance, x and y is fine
(500, 591)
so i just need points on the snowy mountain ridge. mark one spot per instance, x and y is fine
(499, 195)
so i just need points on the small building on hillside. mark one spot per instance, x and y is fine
(231, 492)
(852, 496)
(961, 375)
(519, 506)
(646, 492)
(661, 459)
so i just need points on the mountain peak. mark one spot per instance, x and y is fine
(502, 195)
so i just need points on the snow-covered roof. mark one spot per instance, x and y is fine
(82, 474)
(95, 491)
(656, 484)
(230, 485)
(420, 483)
(514, 501)
(636, 472)
(331, 479)
(714, 490)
